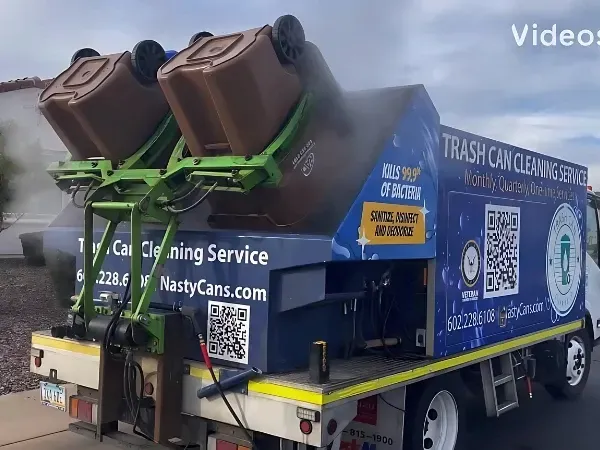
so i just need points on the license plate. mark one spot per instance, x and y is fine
(53, 395)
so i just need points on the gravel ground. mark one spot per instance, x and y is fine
(26, 304)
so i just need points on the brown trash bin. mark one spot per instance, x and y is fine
(98, 107)
(230, 92)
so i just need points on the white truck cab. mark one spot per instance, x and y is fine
(592, 272)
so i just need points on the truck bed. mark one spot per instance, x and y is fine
(363, 376)
(349, 379)
(350, 372)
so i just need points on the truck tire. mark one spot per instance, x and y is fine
(578, 349)
(434, 409)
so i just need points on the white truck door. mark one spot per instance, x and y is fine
(592, 270)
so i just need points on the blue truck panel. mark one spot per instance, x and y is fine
(394, 215)
(238, 282)
(511, 242)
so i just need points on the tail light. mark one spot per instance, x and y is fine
(83, 410)
(306, 426)
(308, 414)
(37, 357)
(148, 389)
(331, 427)
(226, 445)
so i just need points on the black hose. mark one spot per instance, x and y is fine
(130, 373)
(85, 196)
(229, 407)
(127, 385)
(137, 366)
(110, 329)
(186, 195)
(193, 205)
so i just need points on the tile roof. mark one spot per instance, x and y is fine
(23, 83)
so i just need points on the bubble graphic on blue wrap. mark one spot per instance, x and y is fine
(429, 234)
(445, 275)
(340, 250)
(477, 342)
(396, 141)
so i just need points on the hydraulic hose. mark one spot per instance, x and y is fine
(209, 366)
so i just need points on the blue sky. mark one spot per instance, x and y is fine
(542, 98)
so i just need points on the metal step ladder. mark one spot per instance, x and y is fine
(499, 390)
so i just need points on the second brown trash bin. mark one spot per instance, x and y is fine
(230, 92)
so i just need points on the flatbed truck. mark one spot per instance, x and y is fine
(487, 318)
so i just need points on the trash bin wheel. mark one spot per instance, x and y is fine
(200, 35)
(147, 57)
(84, 53)
(288, 39)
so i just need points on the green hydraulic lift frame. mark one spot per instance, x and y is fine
(139, 191)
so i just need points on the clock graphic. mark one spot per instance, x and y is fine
(471, 263)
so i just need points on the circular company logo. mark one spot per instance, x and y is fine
(471, 262)
(308, 164)
(563, 260)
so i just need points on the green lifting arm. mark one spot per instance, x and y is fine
(138, 191)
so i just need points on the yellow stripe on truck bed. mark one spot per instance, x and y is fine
(68, 345)
(464, 359)
(266, 387)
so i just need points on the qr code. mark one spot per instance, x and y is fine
(502, 234)
(228, 331)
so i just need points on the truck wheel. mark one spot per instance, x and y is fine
(434, 409)
(578, 364)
